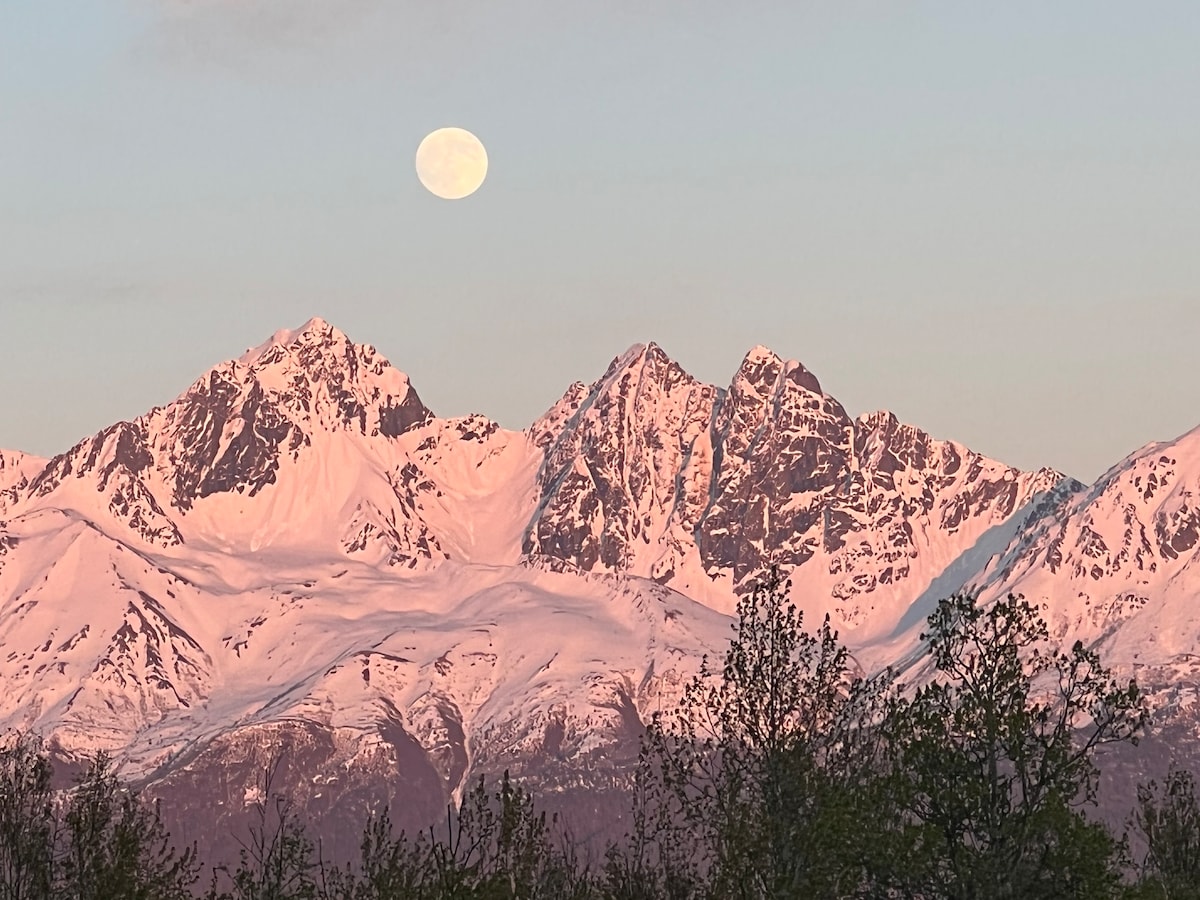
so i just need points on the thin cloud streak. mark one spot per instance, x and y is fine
(243, 34)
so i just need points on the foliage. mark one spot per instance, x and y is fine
(1167, 818)
(96, 842)
(27, 821)
(761, 782)
(994, 758)
(782, 773)
(495, 847)
(277, 861)
(116, 847)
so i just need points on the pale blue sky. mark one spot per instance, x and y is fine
(983, 216)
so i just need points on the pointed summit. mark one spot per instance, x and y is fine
(649, 357)
(15, 463)
(317, 367)
(762, 368)
(232, 428)
(17, 469)
(615, 452)
(643, 377)
(291, 405)
(761, 353)
(316, 323)
(315, 332)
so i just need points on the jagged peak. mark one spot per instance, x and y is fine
(316, 331)
(1049, 479)
(761, 353)
(878, 419)
(296, 383)
(643, 359)
(883, 427)
(17, 469)
(887, 423)
(1181, 453)
(1186, 446)
(763, 368)
(644, 372)
(638, 355)
(323, 353)
(12, 459)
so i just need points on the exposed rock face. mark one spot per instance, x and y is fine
(626, 473)
(332, 777)
(16, 468)
(651, 470)
(234, 430)
(1125, 549)
(1117, 566)
(296, 559)
(783, 454)
(117, 463)
(229, 431)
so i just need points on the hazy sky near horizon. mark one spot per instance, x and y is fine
(982, 216)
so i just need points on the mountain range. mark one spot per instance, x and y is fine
(297, 562)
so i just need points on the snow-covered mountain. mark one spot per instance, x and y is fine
(297, 558)
(297, 547)
(1118, 565)
(650, 472)
(16, 468)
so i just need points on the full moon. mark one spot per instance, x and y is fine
(451, 163)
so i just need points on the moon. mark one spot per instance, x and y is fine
(451, 163)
